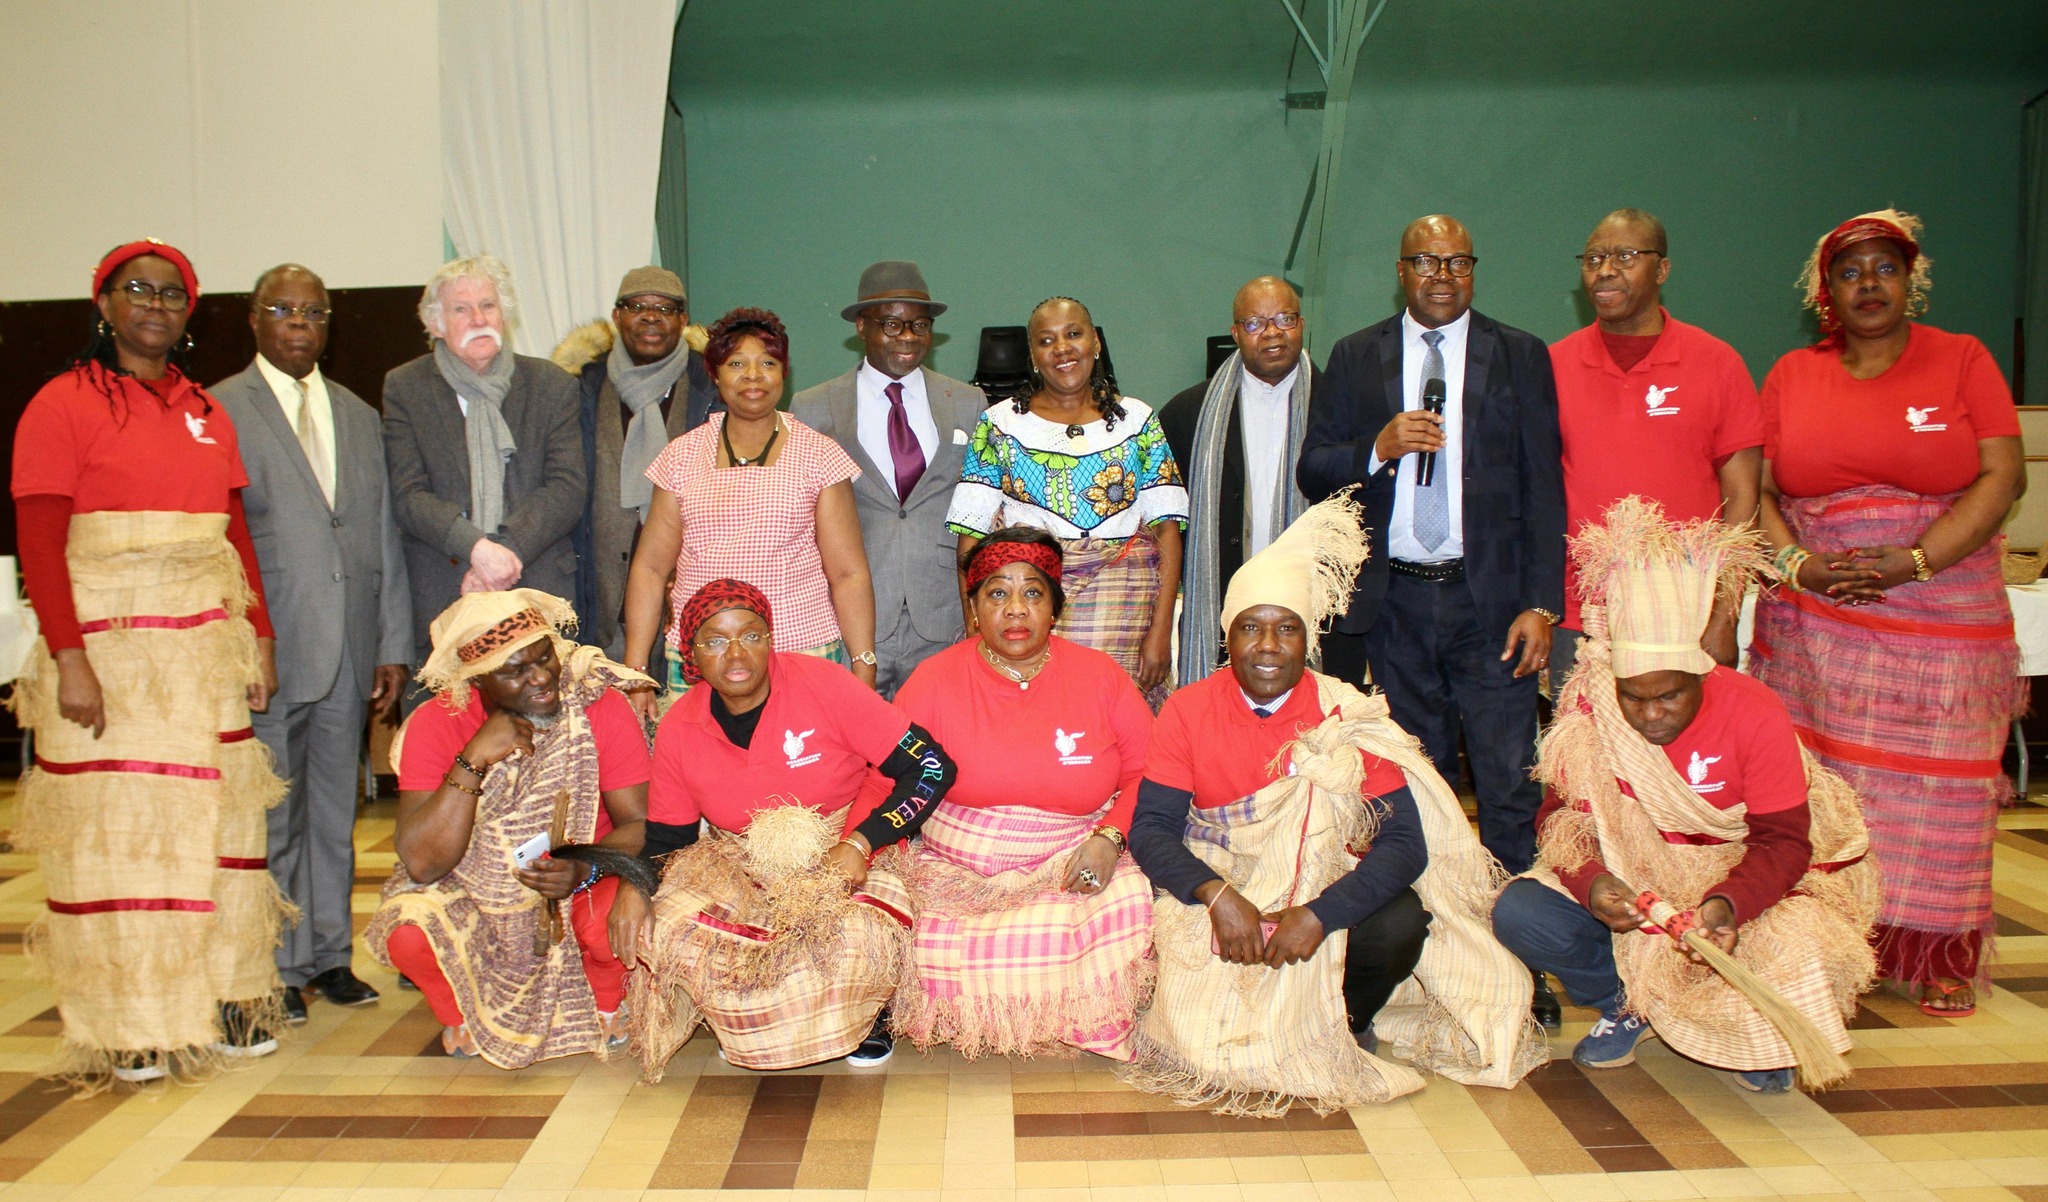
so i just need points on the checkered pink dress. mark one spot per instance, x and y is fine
(757, 524)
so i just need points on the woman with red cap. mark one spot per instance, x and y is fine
(784, 942)
(1891, 454)
(147, 798)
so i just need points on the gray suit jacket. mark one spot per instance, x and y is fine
(545, 488)
(911, 555)
(334, 577)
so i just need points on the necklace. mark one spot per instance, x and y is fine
(1023, 680)
(725, 433)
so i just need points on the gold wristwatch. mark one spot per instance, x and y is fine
(1546, 615)
(865, 657)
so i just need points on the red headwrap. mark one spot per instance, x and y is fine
(715, 598)
(991, 558)
(135, 250)
(1845, 235)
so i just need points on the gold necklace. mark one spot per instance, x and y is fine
(1023, 681)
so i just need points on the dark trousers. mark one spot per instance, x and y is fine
(1380, 953)
(1441, 671)
(1554, 934)
(318, 746)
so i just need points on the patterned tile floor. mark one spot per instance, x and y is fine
(360, 1105)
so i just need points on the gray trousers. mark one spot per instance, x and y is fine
(899, 651)
(318, 747)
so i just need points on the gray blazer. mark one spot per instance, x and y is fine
(545, 486)
(911, 555)
(334, 577)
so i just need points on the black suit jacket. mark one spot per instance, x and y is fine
(1179, 418)
(1513, 470)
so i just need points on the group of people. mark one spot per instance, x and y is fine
(938, 781)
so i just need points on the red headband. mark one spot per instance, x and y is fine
(1848, 234)
(135, 250)
(715, 598)
(992, 557)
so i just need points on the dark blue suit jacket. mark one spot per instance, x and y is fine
(1513, 471)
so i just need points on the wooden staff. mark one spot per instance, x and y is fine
(547, 930)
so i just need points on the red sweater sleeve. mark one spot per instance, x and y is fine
(1779, 852)
(238, 535)
(42, 525)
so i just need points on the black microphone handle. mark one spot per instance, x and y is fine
(1425, 469)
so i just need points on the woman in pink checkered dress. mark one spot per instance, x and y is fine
(754, 495)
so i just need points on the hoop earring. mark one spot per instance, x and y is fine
(103, 330)
(186, 343)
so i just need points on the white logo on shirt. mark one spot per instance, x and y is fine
(1696, 773)
(793, 747)
(1917, 418)
(197, 426)
(1655, 398)
(1065, 744)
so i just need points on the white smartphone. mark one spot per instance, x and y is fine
(529, 853)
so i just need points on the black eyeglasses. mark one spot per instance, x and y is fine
(314, 314)
(141, 294)
(636, 308)
(1623, 259)
(1428, 265)
(1279, 321)
(896, 327)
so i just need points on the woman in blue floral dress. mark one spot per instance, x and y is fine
(1073, 457)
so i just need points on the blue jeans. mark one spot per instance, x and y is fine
(1554, 934)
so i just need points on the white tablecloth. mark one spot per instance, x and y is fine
(2029, 625)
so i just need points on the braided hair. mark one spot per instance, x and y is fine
(1107, 400)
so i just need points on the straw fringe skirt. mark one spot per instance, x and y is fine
(152, 838)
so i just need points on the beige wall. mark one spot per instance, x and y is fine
(244, 132)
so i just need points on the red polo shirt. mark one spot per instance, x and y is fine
(1653, 431)
(820, 731)
(1208, 742)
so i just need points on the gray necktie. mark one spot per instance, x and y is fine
(1432, 518)
(309, 441)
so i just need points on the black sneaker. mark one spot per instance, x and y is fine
(241, 1037)
(294, 1006)
(136, 1068)
(877, 1047)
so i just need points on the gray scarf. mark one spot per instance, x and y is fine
(1202, 585)
(641, 389)
(484, 432)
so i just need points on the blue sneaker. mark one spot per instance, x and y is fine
(1612, 1041)
(1776, 1080)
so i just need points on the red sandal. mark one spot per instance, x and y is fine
(1946, 991)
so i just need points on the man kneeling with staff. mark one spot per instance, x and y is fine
(1667, 774)
(1311, 859)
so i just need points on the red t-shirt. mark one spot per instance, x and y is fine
(1915, 427)
(819, 732)
(1065, 745)
(138, 451)
(436, 732)
(1209, 723)
(1655, 430)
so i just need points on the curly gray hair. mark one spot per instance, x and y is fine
(476, 267)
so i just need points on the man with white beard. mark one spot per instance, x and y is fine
(484, 452)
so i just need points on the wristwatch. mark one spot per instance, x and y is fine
(865, 657)
(1546, 615)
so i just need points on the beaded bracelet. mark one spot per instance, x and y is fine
(587, 882)
(468, 767)
(459, 787)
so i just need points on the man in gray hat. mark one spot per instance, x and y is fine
(907, 429)
(630, 370)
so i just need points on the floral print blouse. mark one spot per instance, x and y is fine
(1023, 469)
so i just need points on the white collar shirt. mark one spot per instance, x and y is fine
(1450, 462)
(871, 417)
(286, 390)
(1262, 415)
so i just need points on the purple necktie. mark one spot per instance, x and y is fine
(903, 446)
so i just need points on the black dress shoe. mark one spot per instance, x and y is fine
(343, 988)
(1544, 1005)
(294, 1006)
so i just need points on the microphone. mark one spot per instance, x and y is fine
(1432, 402)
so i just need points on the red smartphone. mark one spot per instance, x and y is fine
(1266, 930)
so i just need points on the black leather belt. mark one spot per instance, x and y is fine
(1450, 569)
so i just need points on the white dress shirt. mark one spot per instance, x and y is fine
(1262, 413)
(286, 390)
(1450, 462)
(871, 420)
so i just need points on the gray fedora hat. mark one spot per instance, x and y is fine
(892, 280)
